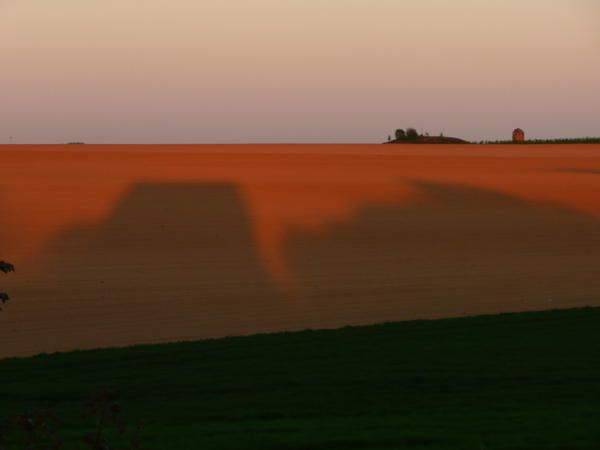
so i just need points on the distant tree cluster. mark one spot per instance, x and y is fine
(410, 134)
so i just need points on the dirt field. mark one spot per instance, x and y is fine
(116, 245)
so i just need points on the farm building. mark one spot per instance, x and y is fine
(518, 135)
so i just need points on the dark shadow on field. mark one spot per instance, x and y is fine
(585, 171)
(172, 261)
(457, 250)
(179, 262)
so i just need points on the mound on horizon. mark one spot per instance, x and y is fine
(428, 140)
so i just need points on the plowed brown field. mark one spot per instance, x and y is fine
(119, 245)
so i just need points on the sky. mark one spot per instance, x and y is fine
(251, 71)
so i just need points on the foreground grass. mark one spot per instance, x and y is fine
(518, 381)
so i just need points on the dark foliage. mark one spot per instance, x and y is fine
(412, 134)
(34, 430)
(5, 268)
(40, 429)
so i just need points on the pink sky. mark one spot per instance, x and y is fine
(186, 71)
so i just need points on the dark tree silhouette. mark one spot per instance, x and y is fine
(412, 134)
(5, 268)
(400, 134)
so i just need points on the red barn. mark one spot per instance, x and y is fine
(518, 135)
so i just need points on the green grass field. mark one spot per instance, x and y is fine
(518, 381)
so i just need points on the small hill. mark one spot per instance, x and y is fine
(428, 140)
(511, 381)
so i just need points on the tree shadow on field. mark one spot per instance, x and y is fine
(456, 250)
(178, 261)
(576, 170)
(173, 261)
